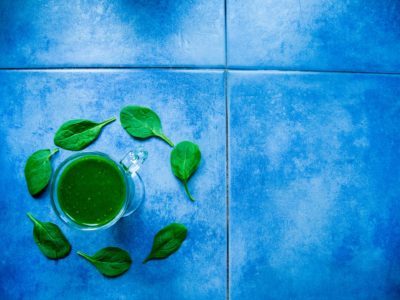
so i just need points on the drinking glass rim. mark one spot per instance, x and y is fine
(63, 216)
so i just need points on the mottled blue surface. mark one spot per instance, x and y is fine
(311, 208)
(314, 198)
(357, 35)
(191, 106)
(111, 33)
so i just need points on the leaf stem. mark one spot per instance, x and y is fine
(167, 140)
(187, 191)
(108, 121)
(32, 218)
(53, 152)
(84, 255)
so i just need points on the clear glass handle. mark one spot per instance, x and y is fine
(132, 163)
(134, 160)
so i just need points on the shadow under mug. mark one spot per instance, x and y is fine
(134, 195)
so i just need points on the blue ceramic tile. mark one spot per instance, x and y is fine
(315, 186)
(111, 32)
(359, 35)
(191, 106)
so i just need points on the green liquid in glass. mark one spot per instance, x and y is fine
(91, 190)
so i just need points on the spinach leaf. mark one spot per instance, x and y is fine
(50, 239)
(141, 122)
(167, 241)
(185, 158)
(38, 171)
(110, 261)
(78, 134)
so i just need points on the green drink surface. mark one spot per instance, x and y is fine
(91, 190)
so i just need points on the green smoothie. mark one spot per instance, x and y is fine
(91, 190)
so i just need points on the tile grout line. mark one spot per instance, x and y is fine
(226, 33)
(227, 185)
(227, 149)
(283, 70)
(166, 68)
(177, 68)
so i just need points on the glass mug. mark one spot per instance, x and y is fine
(91, 191)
